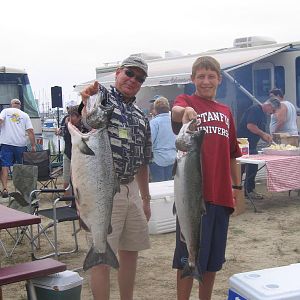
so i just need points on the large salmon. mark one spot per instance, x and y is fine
(188, 195)
(95, 182)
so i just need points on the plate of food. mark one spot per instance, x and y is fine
(282, 149)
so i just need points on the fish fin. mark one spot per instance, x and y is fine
(182, 237)
(109, 230)
(93, 258)
(84, 148)
(117, 186)
(174, 167)
(174, 209)
(190, 270)
(83, 225)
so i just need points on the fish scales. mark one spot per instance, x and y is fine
(188, 194)
(95, 183)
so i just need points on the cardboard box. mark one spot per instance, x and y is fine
(162, 200)
(60, 286)
(280, 283)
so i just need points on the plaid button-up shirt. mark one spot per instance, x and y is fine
(135, 149)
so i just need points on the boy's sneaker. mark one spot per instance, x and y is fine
(254, 195)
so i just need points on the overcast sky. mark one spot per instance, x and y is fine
(62, 42)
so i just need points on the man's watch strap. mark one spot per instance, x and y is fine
(237, 187)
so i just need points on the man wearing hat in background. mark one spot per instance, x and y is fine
(14, 126)
(130, 139)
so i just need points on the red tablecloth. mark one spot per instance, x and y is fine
(283, 172)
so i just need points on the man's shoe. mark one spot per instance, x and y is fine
(254, 195)
(4, 193)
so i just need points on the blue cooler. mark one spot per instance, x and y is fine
(280, 283)
(60, 286)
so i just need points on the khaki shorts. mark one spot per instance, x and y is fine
(129, 223)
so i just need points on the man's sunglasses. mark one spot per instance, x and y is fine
(129, 73)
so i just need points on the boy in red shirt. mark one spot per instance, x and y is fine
(219, 171)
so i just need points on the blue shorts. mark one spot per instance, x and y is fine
(10, 155)
(213, 244)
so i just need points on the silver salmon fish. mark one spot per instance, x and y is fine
(95, 182)
(189, 202)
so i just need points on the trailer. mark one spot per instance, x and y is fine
(250, 69)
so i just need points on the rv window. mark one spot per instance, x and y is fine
(262, 83)
(8, 92)
(280, 78)
(298, 81)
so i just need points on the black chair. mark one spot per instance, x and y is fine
(57, 214)
(46, 176)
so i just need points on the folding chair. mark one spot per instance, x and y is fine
(24, 180)
(57, 214)
(46, 176)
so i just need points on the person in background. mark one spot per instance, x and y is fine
(285, 118)
(219, 171)
(75, 118)
(253, 127)
(14, 126)
(163, 141)
(130, 139)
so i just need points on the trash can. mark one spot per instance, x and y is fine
(59, 286)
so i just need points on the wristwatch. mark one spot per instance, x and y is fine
(237, 187)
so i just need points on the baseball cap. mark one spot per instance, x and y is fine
(71, 103)
(276, 92)
(135, 61)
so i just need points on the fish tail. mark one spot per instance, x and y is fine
(190, 270)
(93, 258)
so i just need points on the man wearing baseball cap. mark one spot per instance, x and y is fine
(130, 139)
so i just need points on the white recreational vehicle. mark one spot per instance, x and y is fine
(250, 69)
(14, 83)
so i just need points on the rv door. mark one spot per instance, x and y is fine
(263, 80)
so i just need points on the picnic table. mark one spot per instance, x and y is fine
(282, 172)
(10, 218)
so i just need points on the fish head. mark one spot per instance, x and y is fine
(183, 141)
(97, 114)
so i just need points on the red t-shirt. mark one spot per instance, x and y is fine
(219, 146)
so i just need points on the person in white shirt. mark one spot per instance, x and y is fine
(285, 119)
(14, 125)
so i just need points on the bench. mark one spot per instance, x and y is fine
(30, 270)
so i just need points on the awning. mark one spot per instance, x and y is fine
(177, 70)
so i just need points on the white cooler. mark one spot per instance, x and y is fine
(59, 286)
(282, 283)
(162, 200)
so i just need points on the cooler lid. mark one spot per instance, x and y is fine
(59, 281)
(161, 189)
(281, 283)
